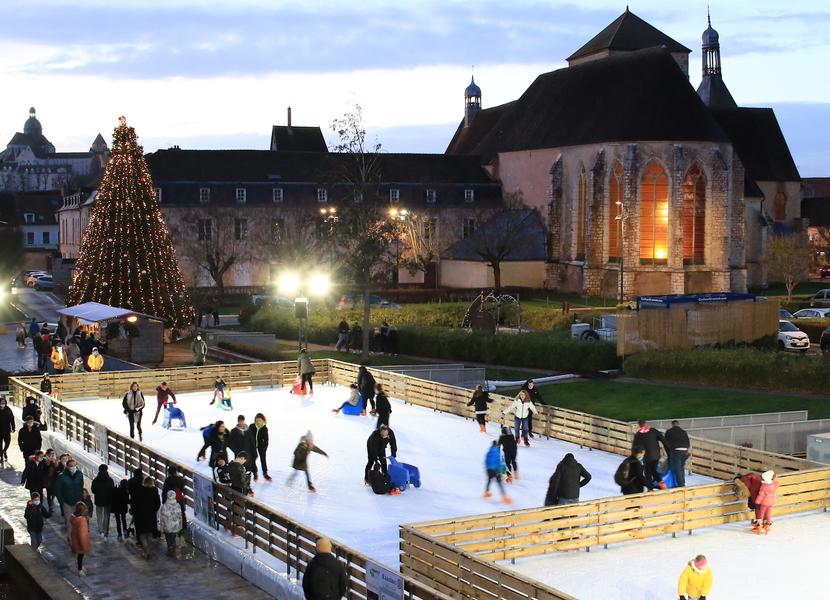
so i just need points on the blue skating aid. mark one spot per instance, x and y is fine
(414, 474)
(398, 474)
(353, 410)
(172, 413)
(669, 480)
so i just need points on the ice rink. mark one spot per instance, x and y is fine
(448, 450)
(786, 564)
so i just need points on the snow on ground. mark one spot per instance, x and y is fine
(787, 563)
(448, 450)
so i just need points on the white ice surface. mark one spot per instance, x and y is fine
(787, 564)
(448, 450)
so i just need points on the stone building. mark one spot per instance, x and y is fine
(639, 176)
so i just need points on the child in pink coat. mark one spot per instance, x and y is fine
(764, 502)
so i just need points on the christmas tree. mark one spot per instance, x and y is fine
(127, 256)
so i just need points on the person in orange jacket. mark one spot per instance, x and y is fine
(764, 502)
(696, 580)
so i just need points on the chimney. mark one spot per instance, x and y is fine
(289, 116)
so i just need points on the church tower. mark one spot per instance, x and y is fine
(472, 102)
(713, 90)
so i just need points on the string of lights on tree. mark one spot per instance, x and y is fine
(127, 257)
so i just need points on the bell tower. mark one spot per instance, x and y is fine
(472, 102)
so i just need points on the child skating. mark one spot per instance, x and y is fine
(493, 465)
(301, 452)
(764, 502)
(508, 444)
(222, 394)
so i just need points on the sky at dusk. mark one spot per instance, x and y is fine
(210, 74)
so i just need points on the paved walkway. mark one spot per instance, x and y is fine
(115, 569)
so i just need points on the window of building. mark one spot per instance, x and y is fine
(29, 218)
(30, 238)
(204, 230)
(241, 195)
(654, 216)
(694, 216)
(322, 195)
(779, 207)
(581, 215)
(469, 195)
(46, 238)
(158, 194)
(394, 195)
(358, 197)
(204, 195)
(276, 195)
(431, 196)
(240, 229)
(615, 204)
(468, 227)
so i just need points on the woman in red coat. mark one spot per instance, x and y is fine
(764, 502)
(79, 540)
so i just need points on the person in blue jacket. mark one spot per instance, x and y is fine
(493, 465)
(70, 490)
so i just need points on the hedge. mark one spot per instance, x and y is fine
(746, 368)
(253, 350)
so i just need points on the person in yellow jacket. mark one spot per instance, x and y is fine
(95, 361)
(696, 580)
(59, 359)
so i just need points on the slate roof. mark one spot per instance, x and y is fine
(533, 244)
(44, 205)
(626, 33)
(303, 139)
(634, 96)
(714, 93)
(466, 139)
(759, 142)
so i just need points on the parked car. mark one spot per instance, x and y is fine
(822, 298)
(783, 313)
(604, 328)
(824, 271)
(824, 342)
(792, 338)
(812, 313)
(279, 301)
(355, 301)
(44, 283)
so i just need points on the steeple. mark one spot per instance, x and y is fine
(472, 102)
(713, 90)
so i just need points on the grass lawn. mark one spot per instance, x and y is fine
(631, 401)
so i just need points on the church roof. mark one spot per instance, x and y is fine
(632, 96)
(626, 33)
(759, 142)
(302, 139)
(466, 139)
(714, 93)
(472, 90)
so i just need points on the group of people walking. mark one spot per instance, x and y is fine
(59, 350)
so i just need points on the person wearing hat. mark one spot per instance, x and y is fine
(695, 581)
(325, 577)
(95, 361)
(170, 522)
(764, 502)
(199, 349)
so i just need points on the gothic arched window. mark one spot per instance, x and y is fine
(654, 216)
(694, 216)
(615, 201)
(779, 207)
(581, 215)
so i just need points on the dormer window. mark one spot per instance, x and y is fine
(241, 195)
(276, 195)
(29, 218)
(204, 195)
(431, 196)
(158, 194)
(469, 195)
(322, 195)
(394, 195)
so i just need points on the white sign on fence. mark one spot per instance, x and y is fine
(383, 584)
(202, 494)
(101, 442)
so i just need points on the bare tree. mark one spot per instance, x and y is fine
(788, 260)
(421, 246)
(296, 243)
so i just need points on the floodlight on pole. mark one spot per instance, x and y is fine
(319, 284)
(288, 283)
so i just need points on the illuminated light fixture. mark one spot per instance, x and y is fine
(660, 253)
(132, 319)
(288, 283)
(319, 284)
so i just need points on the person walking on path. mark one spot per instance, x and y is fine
(175, 483)
(696, 580)
(34, 328)
(163, 396)
(34, 474)
(217, 440)
(258, 446)
(376, 449)
(145, 508)
(119, 507)
(305, 369)
(238, 440)
(650, 440)
(521, 409)
(34, 514)
(95, 360)
(764, 501)
(630, 475)
(42, 350)
(20, 336)
(479, 401)
(103, 488)
(29, 439)
(59, 358)
(356, 338)
(170, 522)
(79, 541)
(50, 479)
(325, 577)
(566, 481)
(366, 386)
(300, 463)
(133, 404)
(342, 336)
(383, 408)
(493, 466)
(199, 349)
(507, 441)
(536, 397)
(32, 410)
(679, 451)
(7, 428)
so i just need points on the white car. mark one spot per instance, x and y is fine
(812, 313)
(792, 338)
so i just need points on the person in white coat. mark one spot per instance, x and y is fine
(521, 409)
(133, 404)
(170, 522)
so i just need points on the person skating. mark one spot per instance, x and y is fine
(354, 399)
(145, 508)
(163, 395)
(696, 580)
(376, 450)
(220, 471)
(342, 336)
(103, 487)
(305, 369)
(34, 514)
(46, 384)
(119, 507)
(479, 401)
(175, 483)
(764, 501)
(651, 439)
(493, 465)
(221, 393)
(217, 441)
(20, 336)
(170, 522)
(240, 480)
(507, 442)
(383, 408)
(59, 358)
(238, 440)
(325, 577)
(366, 387)
(536, 397)
(300, 463)
(630, 475)
(95, 360)
(133, 404)
(521, 408)
(258, 446)
(678, 442)
(199, 350)
(29, 439)
(7, 428)
(566, 481)
(79, 541)
(70, 490)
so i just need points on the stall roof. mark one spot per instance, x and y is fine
(666, 301)
(93, 312)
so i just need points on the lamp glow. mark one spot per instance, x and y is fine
(132, 319)
(319, 284)
(288, 283)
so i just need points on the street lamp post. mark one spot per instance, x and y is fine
(397, 215)
(329, 215)
(290, 284)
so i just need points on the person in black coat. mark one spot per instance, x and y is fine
(366, 386)
(507, 441)
(42, 350)
(258, 447)
(239, 440)
(480, 400)
(633, 479)
(31, 409)
(217, 441)
(535, 397)
(145, 508)
(650, 439)
(325, 577)
(7, 428)
(46, 384)
(34, 475)
(566, 481)
(382, 406)
(34, 514)
(119, 507)
(133, 487)
(356, 338)
(678, 441)
(103, 488)
(28, 438)
(376, 449)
